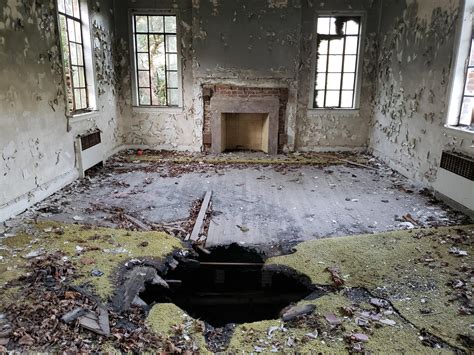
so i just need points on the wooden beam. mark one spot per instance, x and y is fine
(137, 222)
(201, 216)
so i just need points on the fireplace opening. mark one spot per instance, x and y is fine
(231, 285)
(245, 131)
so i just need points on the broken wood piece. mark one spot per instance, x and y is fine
(97, 323)
(357, 164)
(293, 312)
(137, 222)
(202, 249)
(410, 219)
(174, 282)
(201, 216)
(157, 280)
(71, 316)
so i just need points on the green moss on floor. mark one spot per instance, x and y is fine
(88, 249)
(413, 269)
(167, 319)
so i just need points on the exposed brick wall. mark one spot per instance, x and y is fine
(244, 92)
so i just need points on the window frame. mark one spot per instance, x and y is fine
(459, 70)
(359, 65)
(88, 63)
(133, 59)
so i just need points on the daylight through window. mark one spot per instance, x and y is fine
(465, 118)
(73, 54)
(156, 60)
(336, 61)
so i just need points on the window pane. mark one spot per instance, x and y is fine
(73, 50)
(82, 77)
(469, 89)
(336, 46)
(466, 111)
(332, 30)
(348, 81)
(319, 99)
(172, 61)
(80, 55)
(173, 97)
(170, 24)
(156, 23)
(334, 82)
(171, 44)
(78, 31)
(335, 63)
(144, 79)
(471, 60)
(323, 25)
(77, 99)
(322, 63)
(332, 99)
(350, 63)
(144, 96)
(61, 6)
(172, 79)
(351, 45)
(346, 99)
(71, 30)
(323, 47)
(320, 81)
(142, 43)
(83, 98)
(141, 24)
(142, 61)
(75, 9)
(69, 7)
(158, 69)
(75, 76)
(352, 28)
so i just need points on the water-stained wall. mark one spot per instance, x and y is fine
(36, 139)
(413, 75)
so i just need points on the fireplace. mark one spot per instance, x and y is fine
(244, 123)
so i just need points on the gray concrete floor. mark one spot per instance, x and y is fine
(272, 207)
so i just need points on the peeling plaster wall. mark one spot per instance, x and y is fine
(262, 43)
(335, 129)
(414, 66)
(36, 145)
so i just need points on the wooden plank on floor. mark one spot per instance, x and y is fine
(137, 222)
(201, 216)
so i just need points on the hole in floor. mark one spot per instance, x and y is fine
(230, 286)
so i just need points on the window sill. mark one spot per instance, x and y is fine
(459, 132)
(157, 109)
(336, 111)
(75, 118)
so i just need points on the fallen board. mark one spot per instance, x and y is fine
(201, 216)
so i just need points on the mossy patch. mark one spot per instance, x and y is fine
(88, 249)
(167, 319)
(413, 269)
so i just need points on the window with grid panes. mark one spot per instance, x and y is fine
(156, 60)
(337, 56)
(72, 43)
(467, 106)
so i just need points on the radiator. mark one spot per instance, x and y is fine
(90, 151)
(455, 178)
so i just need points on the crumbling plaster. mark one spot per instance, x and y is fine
(36, 138)
(416, 41)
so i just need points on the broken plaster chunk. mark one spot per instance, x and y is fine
(296, 311)
(137, 301)
(457, 252)
(157, 280)
(388, 322)
(35, 253)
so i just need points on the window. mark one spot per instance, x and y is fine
(156, 60)
(467, 106)
(337, 55)
(74, 61)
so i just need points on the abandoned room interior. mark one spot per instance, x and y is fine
(237, 176)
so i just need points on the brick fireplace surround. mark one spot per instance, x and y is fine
(248, 95)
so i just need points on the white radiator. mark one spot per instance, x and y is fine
(455, 179)
(89, 150)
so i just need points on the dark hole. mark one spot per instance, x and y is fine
(230, 286)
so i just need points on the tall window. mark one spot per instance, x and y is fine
(72, 41)
(156, 60)
(467, 108)
(337, 58)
